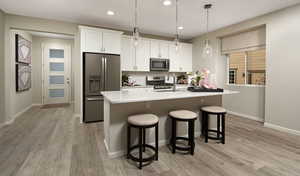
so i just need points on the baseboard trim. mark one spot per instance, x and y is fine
(76, 115)
(14, 117)
(282, 129)
(37, 105)
(121, 153)
(246, 116)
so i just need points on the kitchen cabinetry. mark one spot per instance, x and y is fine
(181, 60)
(100, 40)
(159, 49)
(135, 58)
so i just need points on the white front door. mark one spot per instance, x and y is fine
(56, 82)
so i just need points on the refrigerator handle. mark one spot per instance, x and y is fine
(103, 74)
(105, 70)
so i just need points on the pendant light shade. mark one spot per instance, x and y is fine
(176, 40)
(136, 33)
(207, 49)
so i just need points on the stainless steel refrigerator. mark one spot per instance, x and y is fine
(101, 72)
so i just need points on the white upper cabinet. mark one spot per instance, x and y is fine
(100, 40)
(143, 55)
(127, 55)
(135, 58)
(91, 40)
(159, 49)
(181, 60)
(112, 43)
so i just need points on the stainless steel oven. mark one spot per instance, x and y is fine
(159, 64)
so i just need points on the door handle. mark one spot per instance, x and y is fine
(105, 70)
(94, 99)
(103, 74)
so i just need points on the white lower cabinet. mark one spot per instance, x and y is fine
(182, 59)
(135, 58)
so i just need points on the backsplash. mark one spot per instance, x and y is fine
(139, 78)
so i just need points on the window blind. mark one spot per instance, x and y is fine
(246, 41)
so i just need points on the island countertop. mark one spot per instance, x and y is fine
(148, 94)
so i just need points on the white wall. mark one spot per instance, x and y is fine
(19, 101)
(37, 66)
(2, 24)
(42, 25)
(278, 103)
(283, 61)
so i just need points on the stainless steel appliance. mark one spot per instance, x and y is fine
(101, 72)
(159, 64)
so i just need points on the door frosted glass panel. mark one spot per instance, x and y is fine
(57, 66)
(56, 80)
(56, 53)
(56, 93)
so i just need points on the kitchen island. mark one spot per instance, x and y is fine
(118, 105)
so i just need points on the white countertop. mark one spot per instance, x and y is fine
(148, 94)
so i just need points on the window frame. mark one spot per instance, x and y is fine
(246, 77)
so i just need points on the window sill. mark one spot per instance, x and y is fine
(245, 85)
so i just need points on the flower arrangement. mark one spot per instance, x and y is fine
(201, 79)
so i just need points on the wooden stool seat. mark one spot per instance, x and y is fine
(183, 114)
(143, 119)
(213, 109)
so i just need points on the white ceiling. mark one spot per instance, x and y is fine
(154, 17)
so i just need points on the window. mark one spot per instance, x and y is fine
(256, 67)
(247, 68)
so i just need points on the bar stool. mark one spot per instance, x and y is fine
(184, 116)
(142, 122)
(220, 113)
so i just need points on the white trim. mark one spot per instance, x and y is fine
(37, 105)
(14, 117)
(100, 29)
(246, 85)
(283, 129)
(123, 152)
(76, 115)
(246, 116)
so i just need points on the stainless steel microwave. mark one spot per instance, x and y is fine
(159, 64)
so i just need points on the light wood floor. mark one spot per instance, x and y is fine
(46, 142)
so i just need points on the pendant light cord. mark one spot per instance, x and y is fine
(207, 18)
(135, 14)
(176, 17)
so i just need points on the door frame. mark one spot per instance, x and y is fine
(69, 62)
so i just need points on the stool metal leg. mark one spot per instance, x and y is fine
(173, 135)
(218, 126)
(192, 136)
(144, 139)
(223, 128)
(203, 124)
(128, 140)
(140, 148)
(206, 127)
(156, 142)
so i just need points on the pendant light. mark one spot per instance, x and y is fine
(207, 50)
(136, 34)
(176, 40)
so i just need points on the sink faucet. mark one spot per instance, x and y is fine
(174, 82)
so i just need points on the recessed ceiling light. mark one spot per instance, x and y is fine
(109, 12)
(167, 2)
(180, 27)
